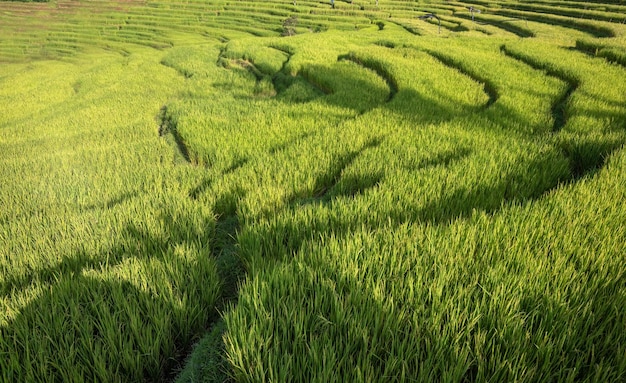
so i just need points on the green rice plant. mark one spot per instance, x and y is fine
(375, 202)
(595, 28)
(574, 11)
(306, 339)
(95, 276)
(614, 54)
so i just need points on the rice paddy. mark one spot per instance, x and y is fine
(246, 191)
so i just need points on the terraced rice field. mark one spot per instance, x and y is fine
(210, 191)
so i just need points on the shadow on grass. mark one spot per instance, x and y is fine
(525, 183)
(328, 180)
(559, 106)
(110, 204)
(489, 87)
(345, 86)
(588, 155)
(90, 327)
(206, 184)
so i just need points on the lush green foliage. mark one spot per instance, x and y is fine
(388, 200)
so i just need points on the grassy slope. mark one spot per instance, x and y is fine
(96, 238)
(402, 213)
(439, 316)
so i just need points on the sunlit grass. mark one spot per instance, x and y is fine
(368, 200)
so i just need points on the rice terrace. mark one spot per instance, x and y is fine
(313, 191)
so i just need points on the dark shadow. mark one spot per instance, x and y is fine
(559, 107)
(351, 186)
(443, 159)
(225, 244)
(331, 177)
(386, 44)
(206, 183)
(540, 317)
(281, 79)
(458, 27)
(181, 71)
(200, 188)
(420, 110)
(167, 124)
(530, 182)
(616, 119)
(113, 202)
(296, 89)
(341, 86)
(506, 25)
(489, 87)
(207, 362)
(596, 313)
(129, 327)
(437, 106)
(285, 87)
(284, 236)
(463, 202)
(587, 155)
(80, 260)
(451, 26)
(284, 145)
(406, 27)
(377, 67)
(48, 337)
(610, 54)
(592, 29)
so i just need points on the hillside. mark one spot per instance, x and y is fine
(312, 191)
